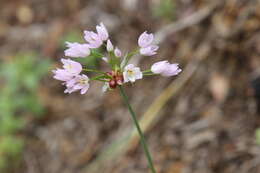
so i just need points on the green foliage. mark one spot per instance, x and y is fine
(20, 79)
(165, 9)
(10, 150)
(257, 134)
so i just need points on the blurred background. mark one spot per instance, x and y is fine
(206, 120)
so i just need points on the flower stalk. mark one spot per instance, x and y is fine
(93, 70)
(142, 138)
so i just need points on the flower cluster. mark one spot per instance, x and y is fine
(72, 74)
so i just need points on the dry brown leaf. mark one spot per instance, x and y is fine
(219, 86)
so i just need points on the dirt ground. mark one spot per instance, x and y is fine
(202, 121)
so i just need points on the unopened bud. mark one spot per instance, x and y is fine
(112, 84)
(119, 80)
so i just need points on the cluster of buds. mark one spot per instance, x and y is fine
(116, 79)
(72, 74)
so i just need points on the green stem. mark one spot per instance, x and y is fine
(100, 78)
(92, 70)
(128, 57)
(145, 147)
(148, 74)
(96, 54)
(147, 71)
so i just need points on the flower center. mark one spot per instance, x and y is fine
(130, 72)
(68, 66)
(83, 81)
(116, 79)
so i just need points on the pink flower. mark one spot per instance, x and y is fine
(77, 50)
(159, 67)
(71, 76)
(132, 73)
(73, 67)
(149, 51)
(145, 42)
(110, 46)
(80, 82)
(165, 68)
(93, 39)
(62, 75)
(118, 52)
(102, 32)
(145, 39)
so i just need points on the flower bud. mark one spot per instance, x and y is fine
(109, 73)
(110, 46)
(117, 52)
(119, 79)
(112, 84)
